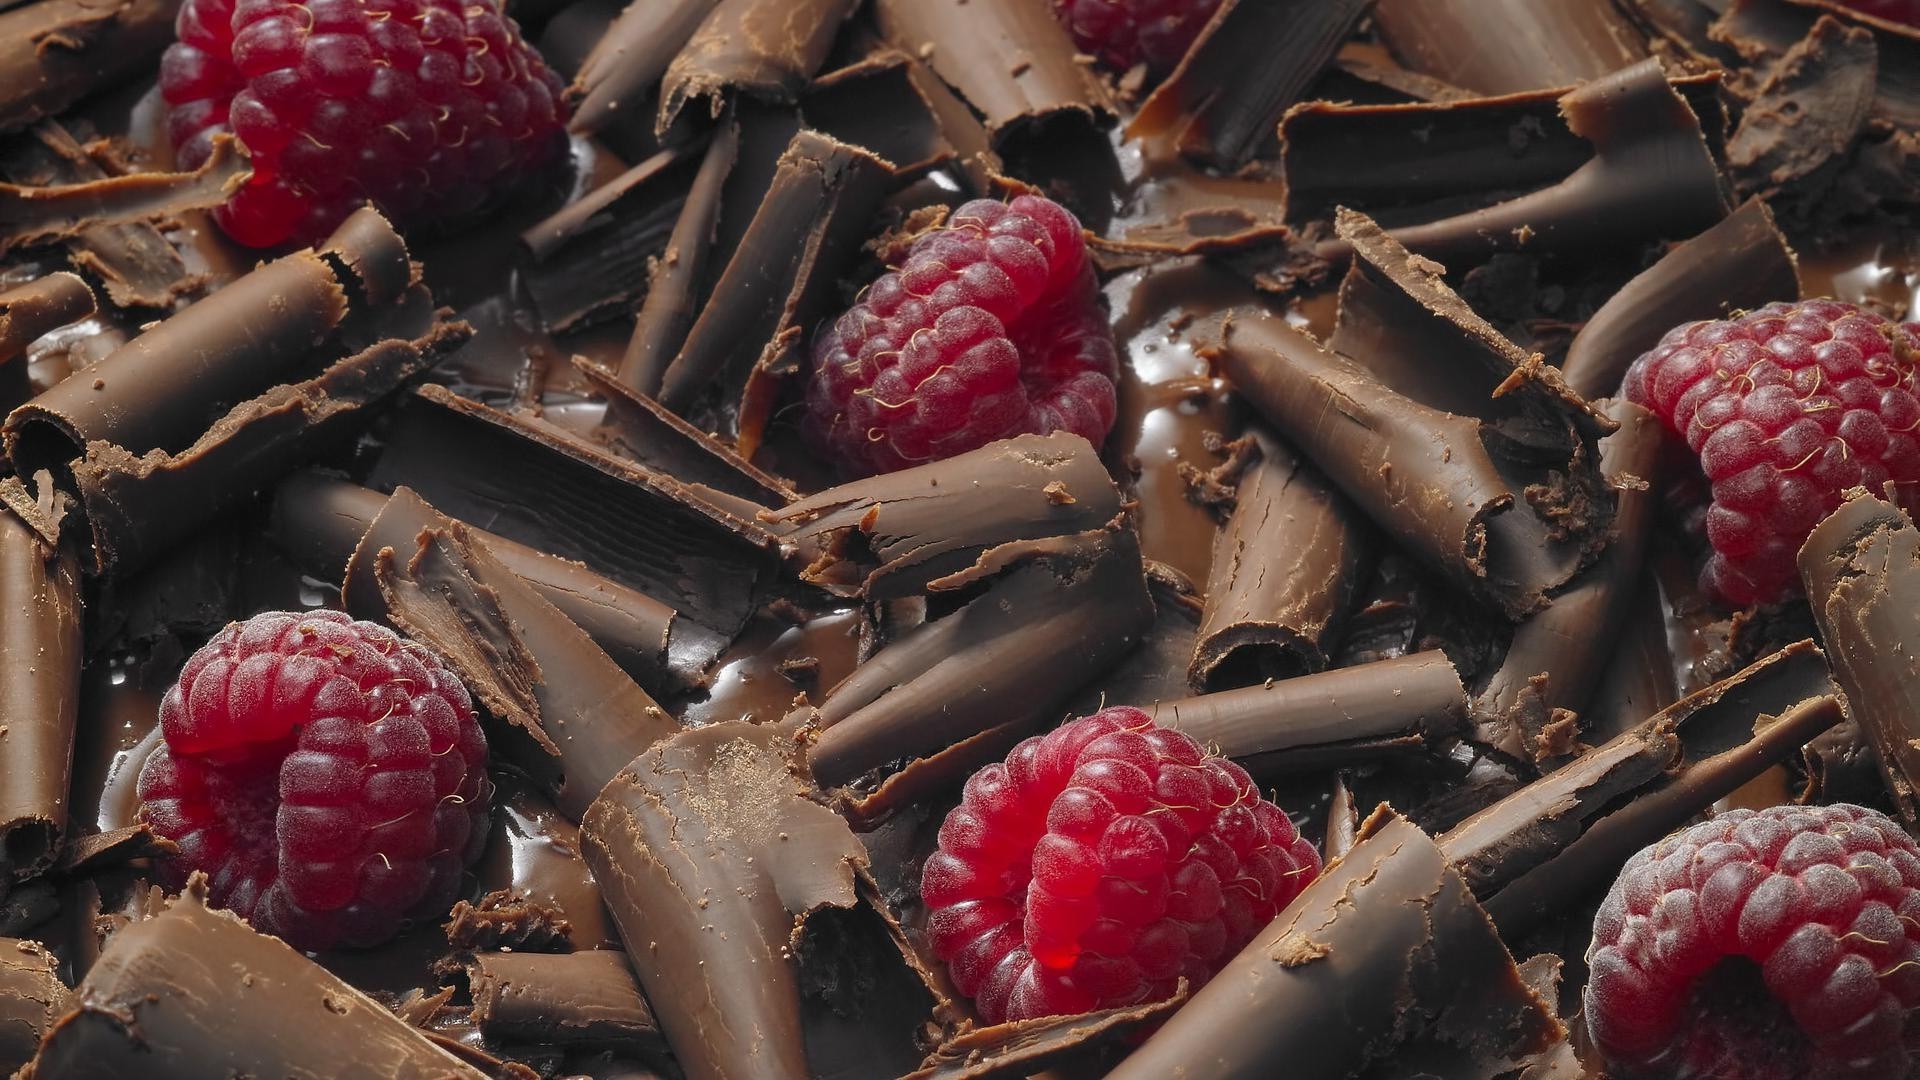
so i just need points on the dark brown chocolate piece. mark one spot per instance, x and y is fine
(32, 997)
(765, 49)
(1740, 263)
(1506, 46)
(1285, 569)
(888, 536)
(1362, 72)
(576, 715)
(580, 999)
(1253, 59)
(1024, 1048)
(678, 285)
(41, 651)
(642, 430)
(1156, 671)
(506, 919)
(1808, 111)
(1386, 944)
(619, 75)
(1761, 31)
(53, 54)
(28, 311)
(189, 992)
(888, 103)
(82, 856)
(591, 257)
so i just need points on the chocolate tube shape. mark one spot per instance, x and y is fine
(1763, 31)
(34, 214)
(189, 992)
(892, 105)
(630, 58)
(888, 536)
(41, 646)
(680, 279)
(586, 999)
(32, 997)
(54, 54)
(44, 304)
(1285, 569)
(574, 714)
(1388, 943)
(591, 258)
(1741, 263)
(1861, 565)
(1504, 46)
(1055, 612)
(765, 49)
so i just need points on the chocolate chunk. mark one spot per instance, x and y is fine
(591, 257)
(1285, 571)
(1347, 716)
(574, 715)
(1386, 944)
(642, 430)
(1025, 1047)
(765, 49)
(187, 991)
(628, 60)
(32, 997)
(581, 999)
(1507, 46)
(1808, 111)
(41, 652)
(890, 535)
(506, 919)
(56, 52)
(1740, 263)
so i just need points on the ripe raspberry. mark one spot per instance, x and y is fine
(1786, 407)
(327, 775)
(1122, 33)
(990, 328)
(1900, 11)
(426, 108)
(1100, 863)
(1780, 944)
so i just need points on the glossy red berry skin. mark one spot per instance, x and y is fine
(990, 328)
(429, 109)
(1785, 408)
(327, 775)
(1900, 11)
(1122, 33)
(1099, 864)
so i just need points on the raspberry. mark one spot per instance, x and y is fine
(1099, 864)
(1122, 33)
(990, 328)
(1779, 944)
(426, 108)
(1900, 11)
(326, 774)
(1786, 408)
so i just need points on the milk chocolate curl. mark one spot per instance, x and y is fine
(1387, 944)
(35, 214)
(764, 49)
(888, 536)
(52, 54)
(28, 311)
(32, 998)
(1505, 46)
(679, 282)
(630, 58)
(189, 992)
(585, 999)
(41, 652)
(1285, 569)
(1738, 264)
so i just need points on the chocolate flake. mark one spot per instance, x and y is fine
(629, 59)
(506, 919)
(1808, 111)
(32, 998)
(91, 854)
(41, 651)
(591, 257)
(579, 999)
(44, 304)
(765, 49)
(642, 430)
(53, 53)
(887, 104)
(1023, 1048)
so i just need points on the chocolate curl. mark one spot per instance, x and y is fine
(889, 536)
(630, 58)
(574, 715)
(56, 52)
(1406, 706)
(581, 999)
(591, 258)
(189, 992)
(1506, 46)
(1024, 1048)
(41, 305)
(1860, 566)
(41, 649)
(32, 997)
(1764, 31)
(1387, 944)
(1054, 614)
(36, 214)
(765, 49)
(891, 104)
(641, 430)
(1739, 264)
(1284, 572)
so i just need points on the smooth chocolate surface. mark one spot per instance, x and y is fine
(30, 310)
(54, 54)
(618, 76)
(41, 649)
(1505, 46)
(32, 997)
(561, 999)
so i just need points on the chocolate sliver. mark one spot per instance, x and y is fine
(1156, 670)
(766, 49)
(186, 991)
(1740, 263)
(43, 304)
(1023, 1048)
(888, 536)
(1761, 31)
(31, 215)
(1284, 573)
(581, 999)
(877, 103)
(32, 997)
(1808, 111)
(642, 430)
(620, 73)
(506, 920)
(1252, 60)
(91, 854)
(1386, 944)
(41, 646)
(1343, 821)
(53, 54)
(1363, 73)
(591, 257)
(575, 714)
(1176, 212)
(1504, 46)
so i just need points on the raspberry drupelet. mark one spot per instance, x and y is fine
(1099, 864)
(428, 109)
(1786, 408)
(990, 328)
(327, 775)
(1122, 33)
(1782, 944)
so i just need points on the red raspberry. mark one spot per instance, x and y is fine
(1100, 863)
(1786, 407)
(990, 328)
(1122, 33)
(326, 774)
(426, 108)
(1900, 11)
(1780, 944)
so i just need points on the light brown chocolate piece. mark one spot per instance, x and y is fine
(1505, 46)
(41, 645)
(32, 998)
(584, 999)
(766, 49)
(33, 214)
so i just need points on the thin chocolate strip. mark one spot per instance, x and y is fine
(188, 992)
(642, 430)
(56, 52)
(41, 650)
(591, 257)
(1023, 1048)
(890, 535)
(43, 304)
(1347, 716)
(630, 58)
(1253, 59)
(765, 49)
(877, 103)
(1740, 263)
(1505, 46)
(36, 214)
(1285, 570)
(585, 999)
(32, 998)
(1386, 944)
(580, 715)
(1809, 110)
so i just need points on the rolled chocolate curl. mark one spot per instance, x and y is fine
(41, 649)
(41, 305)
(1738, 264)
(32, 997)
(629, 59)
(1506, 46)
(583, 999)
(643, 431)
(54, 54)
(82, 198)
(1385, 945)
(891, 104)
(591, 258)
(187, 992)
(765, 49)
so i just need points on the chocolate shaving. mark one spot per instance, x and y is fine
(32, 997)
(629, 59)
(582, 999)
(1023, 1048)
(1506, 46)
(885, 105)
(1763, 31)
(591, 258)
(41, 305)
(82, 856)
(506, 919)
(1808, 111)
(35, 214)
(53, 53)
(642, 430)
(765, 49)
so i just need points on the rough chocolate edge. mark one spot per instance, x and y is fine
(1809, 110)
(32, 998)
(1761, 31)
(630, 58)
(580, 999)
(879, 102)
(642, 430)
(766, 49)
(41, 650)
(1504, 46)
(43, 304)
(1025, 1047)
(55, 52)
(505, 919)
(36, 214)
(592, 257)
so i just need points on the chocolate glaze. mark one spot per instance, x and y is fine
(1808, 111)
(36, 213)
(54, 54)
(679, 282)
(1505, 46)
(41, 649)
(1740, 263)
(32, 997)
(619, 74)
(1026, 1047)
(561, 999)
(765, 49)
(591, 257)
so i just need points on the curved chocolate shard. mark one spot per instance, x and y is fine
(506, 920)
(1386, 945)
(1740, 263)
(1021, 1048)
(765, 49)
(1505, 46)
(186, 991)
(1762, 31)
(592, 257)
(41, 650)
(642, 430)
(36, 214)
(32, 998)
(1053, 614)
(43, 304)
(1285, 569)
(53, 54)
(630, 58)
(1252, 60)
(888, 536)
(579, 999)
(1156, 670)
(882, 102)
(1810, 109)
(576, 716)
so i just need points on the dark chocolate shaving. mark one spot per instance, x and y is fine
(35, 214)
(580, 999)
(888, 104)
(96, 852)
(32, 997)
(505, 919)
(1025, 1047)
(1506, 46)
(28, 311)
(1762, 31)
(765, 49)
(1809, 110)
(591, 258)
(55, 52)
(642, 430)
(620, 73)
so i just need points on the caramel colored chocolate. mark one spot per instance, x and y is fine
(189, 992)
(1506, 46)
(1809, 110)
(591, 257)
(36, 213)
(618, 76)
(1022, 1048)
(53, 54)
(41, 652)
(586, 999)
(766, 49)
(679, 281)
(32, 998)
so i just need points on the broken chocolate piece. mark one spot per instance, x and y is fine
(580, 999)
(41, 652)
(96, 852)
(38, 213)
(642, 430)
(505, 919)
(32, 997)
(765, 49)
(1808, 111)
(55, 52)
(1025, 1047)
(30, 310)
(1506, 46)
(628, 60)
(887, 103)
(591, 257)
